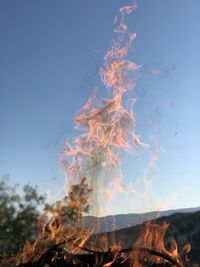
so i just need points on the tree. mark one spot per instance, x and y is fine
(19, 216)
(26, 219)
(60, 229)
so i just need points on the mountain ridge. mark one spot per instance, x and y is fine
(183, 228)
(119, 221)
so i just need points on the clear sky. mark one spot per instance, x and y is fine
(50, 55)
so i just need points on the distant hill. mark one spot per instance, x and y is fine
(184, 228)
(120, 221)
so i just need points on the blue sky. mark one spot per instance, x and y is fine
(50, 55)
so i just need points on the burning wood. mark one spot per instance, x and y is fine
(57, 255)
(61, 244)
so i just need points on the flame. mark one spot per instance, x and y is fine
(54, 234)
(151, 244)
(107, 126)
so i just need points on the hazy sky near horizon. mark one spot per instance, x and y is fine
(50, 55)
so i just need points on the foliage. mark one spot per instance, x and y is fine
(22, 219)
(58, 228)
(74, 205)
(19, 216)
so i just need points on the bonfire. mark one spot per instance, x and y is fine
(107, 126)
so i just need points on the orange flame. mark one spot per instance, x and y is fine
(107, 125)
(150, 247)
(107, 128)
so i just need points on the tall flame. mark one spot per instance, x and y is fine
(107, 126)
